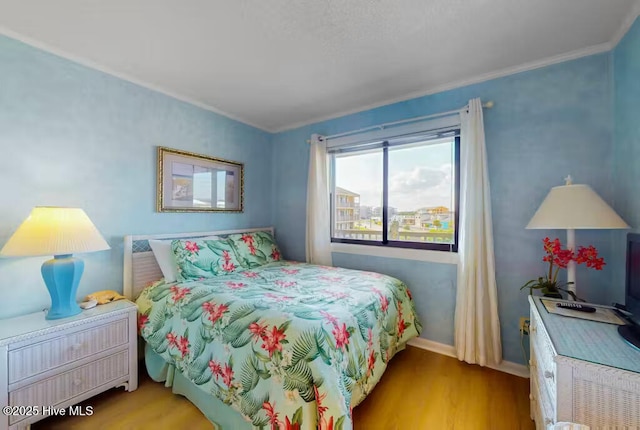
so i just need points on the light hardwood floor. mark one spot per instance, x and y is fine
(420, 390)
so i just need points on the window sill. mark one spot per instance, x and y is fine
(403, 253)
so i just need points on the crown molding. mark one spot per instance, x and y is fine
(626, 24)
(585, 52)
(592, 50)
(124, 76)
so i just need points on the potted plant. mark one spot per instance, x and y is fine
(559, 258)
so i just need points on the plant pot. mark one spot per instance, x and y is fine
(552, 292)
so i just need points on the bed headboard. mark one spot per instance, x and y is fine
(140, 266)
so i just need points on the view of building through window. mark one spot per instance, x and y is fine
(421, 193)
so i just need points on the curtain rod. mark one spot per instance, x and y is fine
(487, 105)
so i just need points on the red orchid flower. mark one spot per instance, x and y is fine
(341, 335)
(272, 340)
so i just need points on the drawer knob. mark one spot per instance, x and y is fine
(548, 374)
(76, 346)
(77, 381)
(531, 397)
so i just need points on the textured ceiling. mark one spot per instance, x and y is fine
(276, 64)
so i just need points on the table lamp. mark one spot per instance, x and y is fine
(574, 207)
(60, 232)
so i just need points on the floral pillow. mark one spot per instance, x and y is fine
(204, 258)
(255, 249)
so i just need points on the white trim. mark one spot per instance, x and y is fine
(430, 345)
(512, 368)
(626, 24)
(450, 351)
(93, 65)
(443, 257)
(584, 52)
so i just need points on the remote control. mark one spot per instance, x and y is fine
(576, 307)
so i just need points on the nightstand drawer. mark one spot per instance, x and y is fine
(544, 357)
(547, 406)
(40, 357)
(546, 387)
(536, 407)
(65, 386)
(544, 414)
(543, 370)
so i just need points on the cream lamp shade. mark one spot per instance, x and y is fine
(54, 231)
(575, 207)
(60, 232)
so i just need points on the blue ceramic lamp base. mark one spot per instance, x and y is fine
(61, 276)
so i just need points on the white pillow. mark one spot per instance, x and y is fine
(165, 258)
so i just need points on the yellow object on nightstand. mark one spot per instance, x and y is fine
(105, 296)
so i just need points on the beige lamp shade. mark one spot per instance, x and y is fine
(575, 207)
(54, 231)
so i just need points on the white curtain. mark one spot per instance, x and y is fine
(477, 327)
(318, 242)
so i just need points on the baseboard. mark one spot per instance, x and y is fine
(430, 345)
(448, 350)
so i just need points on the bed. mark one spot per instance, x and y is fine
(271, 344)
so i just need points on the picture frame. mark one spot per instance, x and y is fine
(190, 182)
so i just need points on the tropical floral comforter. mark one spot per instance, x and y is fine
(288, 345)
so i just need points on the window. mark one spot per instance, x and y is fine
(400, 192)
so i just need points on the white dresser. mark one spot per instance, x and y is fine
(582, 372)
(46, 365)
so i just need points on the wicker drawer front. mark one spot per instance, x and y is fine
(62, 387)
(545, 358)
(544, 414)
(51, 353)
(536, 411)
(545, 398)
(544, 369)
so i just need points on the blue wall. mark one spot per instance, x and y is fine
(73, 136)
(546, 123)
(626, 111)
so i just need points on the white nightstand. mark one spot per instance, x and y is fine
(583, 372)
(58, 363)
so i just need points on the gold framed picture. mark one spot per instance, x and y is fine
(189, 182)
